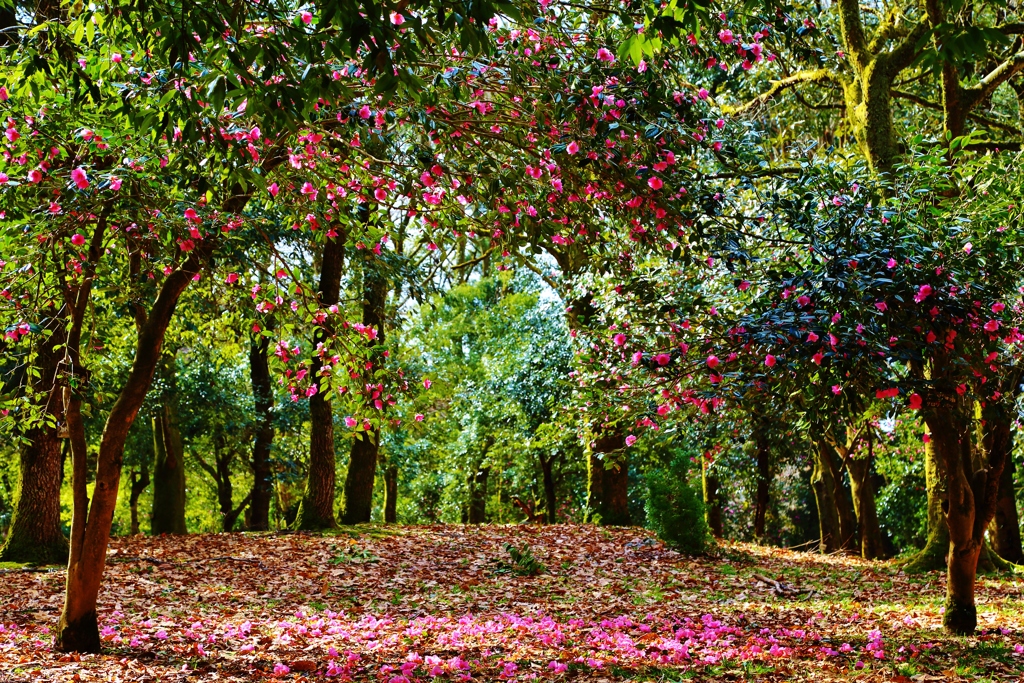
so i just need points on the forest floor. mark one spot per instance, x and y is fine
(448, 602)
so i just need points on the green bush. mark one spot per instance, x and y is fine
(675, 508)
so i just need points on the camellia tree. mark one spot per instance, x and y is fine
(904, 293)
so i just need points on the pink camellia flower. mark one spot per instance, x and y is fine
(380, 194)
(419, 417)
(769, 360)
(116, 58)
(3, 178)
(662, 359)
(882, 306)
(744, 286)
(915, 401)
(619, 339)
(726, 36)
(78, 239)
(427, 383)
(836, 389)
(351, 421)
(923, 292)
(891, 264)
(191, 215)
(605, 56)
(281, 669)
(55, 208)
(992, 326)
(630, 440)
(703, 93)
(817, 358)
(79, 177)
(231, 279)
(397, 18)
(998, 307)
(811, 337)
(572, 147)
(364, 112)
(655, 183)
(35, 176)
(115, 183)
(3, 94)
(712, 362)
(273, 189)
(307, 18)
(803, 300)
(720, 124)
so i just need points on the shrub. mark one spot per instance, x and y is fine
(675, 508)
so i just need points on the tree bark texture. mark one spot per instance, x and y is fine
(764, 481)
(608, 480)
(357, 500)
(168, 515)
(316, 509)
(139, 484)
(77, 629)
(35, 535)
(712, 499)
(547, 466)
(1005, 527)
(390, 494)
(478, 495)
(862, 487)
(263, 395)
(825, 488)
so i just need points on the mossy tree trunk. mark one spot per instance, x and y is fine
(316, 509)
(478, 495)
(168, 514)
(825, 487)
(608, 479)
(712, 498)
(547, 467)
(933, 556)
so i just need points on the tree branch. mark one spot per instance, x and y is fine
(904, 54)
(988, 84)
(853, 32)
(811, 76)
(984, 120)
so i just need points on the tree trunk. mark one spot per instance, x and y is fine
(478, 495)
(824, 486)
(78, 630)
(764, 480)
(316, 509)
(712, 499)
(35, 535)
(168, 516)
(139, 484)
(608, 480)
(263, 396)
(933, 555)
(391, 494)
(547, 466)
(357, 501)
(1005, 527)
(863, 488)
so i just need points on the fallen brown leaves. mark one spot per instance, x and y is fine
(434, 603)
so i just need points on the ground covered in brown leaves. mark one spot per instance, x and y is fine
(445, 603)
